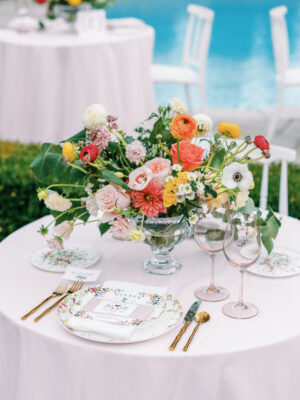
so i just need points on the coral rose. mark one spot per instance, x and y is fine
(140, 178)
(183, 126)
(89, 154)
(190, 155)
(160, 168)
(232, 130)
(261, 142)
(110, 197)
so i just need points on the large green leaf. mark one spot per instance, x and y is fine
(104, 227)
(110, 176)
(218, 159)
(79, 136)
(159, 129)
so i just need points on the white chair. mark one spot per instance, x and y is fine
(285, 76)
(196, 45)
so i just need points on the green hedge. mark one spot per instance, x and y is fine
(20, 205)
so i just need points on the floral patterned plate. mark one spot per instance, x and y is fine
(282, 262)
(167, 320)
(74, 255)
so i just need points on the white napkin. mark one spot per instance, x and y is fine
(116, 324)
(24, 24)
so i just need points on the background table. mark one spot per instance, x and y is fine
(48, 79)
(229, 359)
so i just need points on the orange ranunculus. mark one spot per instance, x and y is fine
(183, 126)
(190, 155)
(232, 130)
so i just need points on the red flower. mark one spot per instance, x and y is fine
(89, 154)
(150, 200)
(190, 155)
(261, 142)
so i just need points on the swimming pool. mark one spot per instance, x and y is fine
(240, 69)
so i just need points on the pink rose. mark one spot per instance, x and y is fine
(111, 196)
(64, 229)
(140, 178)
(120, 229)
(160, 168)
(55, 243)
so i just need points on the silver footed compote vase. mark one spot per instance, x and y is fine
(209, 234)
(162, 234)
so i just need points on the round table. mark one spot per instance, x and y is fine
(48, 79)
(229, 359)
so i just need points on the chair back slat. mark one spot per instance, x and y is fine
(197, 38)
(280, 38)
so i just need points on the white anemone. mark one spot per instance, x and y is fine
(237, 175)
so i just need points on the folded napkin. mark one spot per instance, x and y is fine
(117, 309)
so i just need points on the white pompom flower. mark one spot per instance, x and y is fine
(56, 202)
(237, 175)
(94, 117)
(177, 106)
(204, 123)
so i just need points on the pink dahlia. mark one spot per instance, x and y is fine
(150, 200)
(100, 137)
(135, 152)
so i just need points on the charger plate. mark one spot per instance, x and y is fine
(73, 255)
(167, 320)
(282, 262)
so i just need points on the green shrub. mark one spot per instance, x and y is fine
(20, 205)
(19, 202)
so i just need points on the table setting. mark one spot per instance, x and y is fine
(165, 302)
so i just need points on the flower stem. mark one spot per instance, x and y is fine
(164, 148)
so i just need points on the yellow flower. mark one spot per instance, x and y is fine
(182, 178)
(232, 130)
(218, 201)
(42, 195)
(137, 235)
(68, 151)
(119, 174)
(74, 3)
(169, 198)
(169, 186)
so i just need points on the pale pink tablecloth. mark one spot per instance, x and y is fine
(229, 359)
(48, 79)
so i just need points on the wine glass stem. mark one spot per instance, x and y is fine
(240, 301)
(212, 279)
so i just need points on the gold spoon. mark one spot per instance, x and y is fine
(200, 318)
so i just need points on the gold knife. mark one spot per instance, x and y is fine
(188, 319)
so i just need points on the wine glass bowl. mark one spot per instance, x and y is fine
(209, 234)
(242, 248)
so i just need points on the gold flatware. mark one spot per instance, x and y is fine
(200, 318)
(59, 291)
(75, 286)
(188, 319)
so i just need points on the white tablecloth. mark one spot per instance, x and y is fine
(48, 79)
(229, 359)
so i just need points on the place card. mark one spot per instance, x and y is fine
(81, 274)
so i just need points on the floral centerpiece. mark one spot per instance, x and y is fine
(148, 185)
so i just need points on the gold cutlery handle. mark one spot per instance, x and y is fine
(178, 337)
(37, 307)
(50, 308)
(191, 337)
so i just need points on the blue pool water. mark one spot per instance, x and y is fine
(240, 69)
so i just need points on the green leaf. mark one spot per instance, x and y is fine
(249, 207)
(104, 227)
(159, 129)
(110, 176)
(129, 139)
(218, 159)
(79, 136)
(268, 243)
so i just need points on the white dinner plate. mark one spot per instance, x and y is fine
(282, 262)
(73, 255)
(167, 320)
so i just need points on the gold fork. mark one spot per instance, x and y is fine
(59, 291)
(75, 286)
